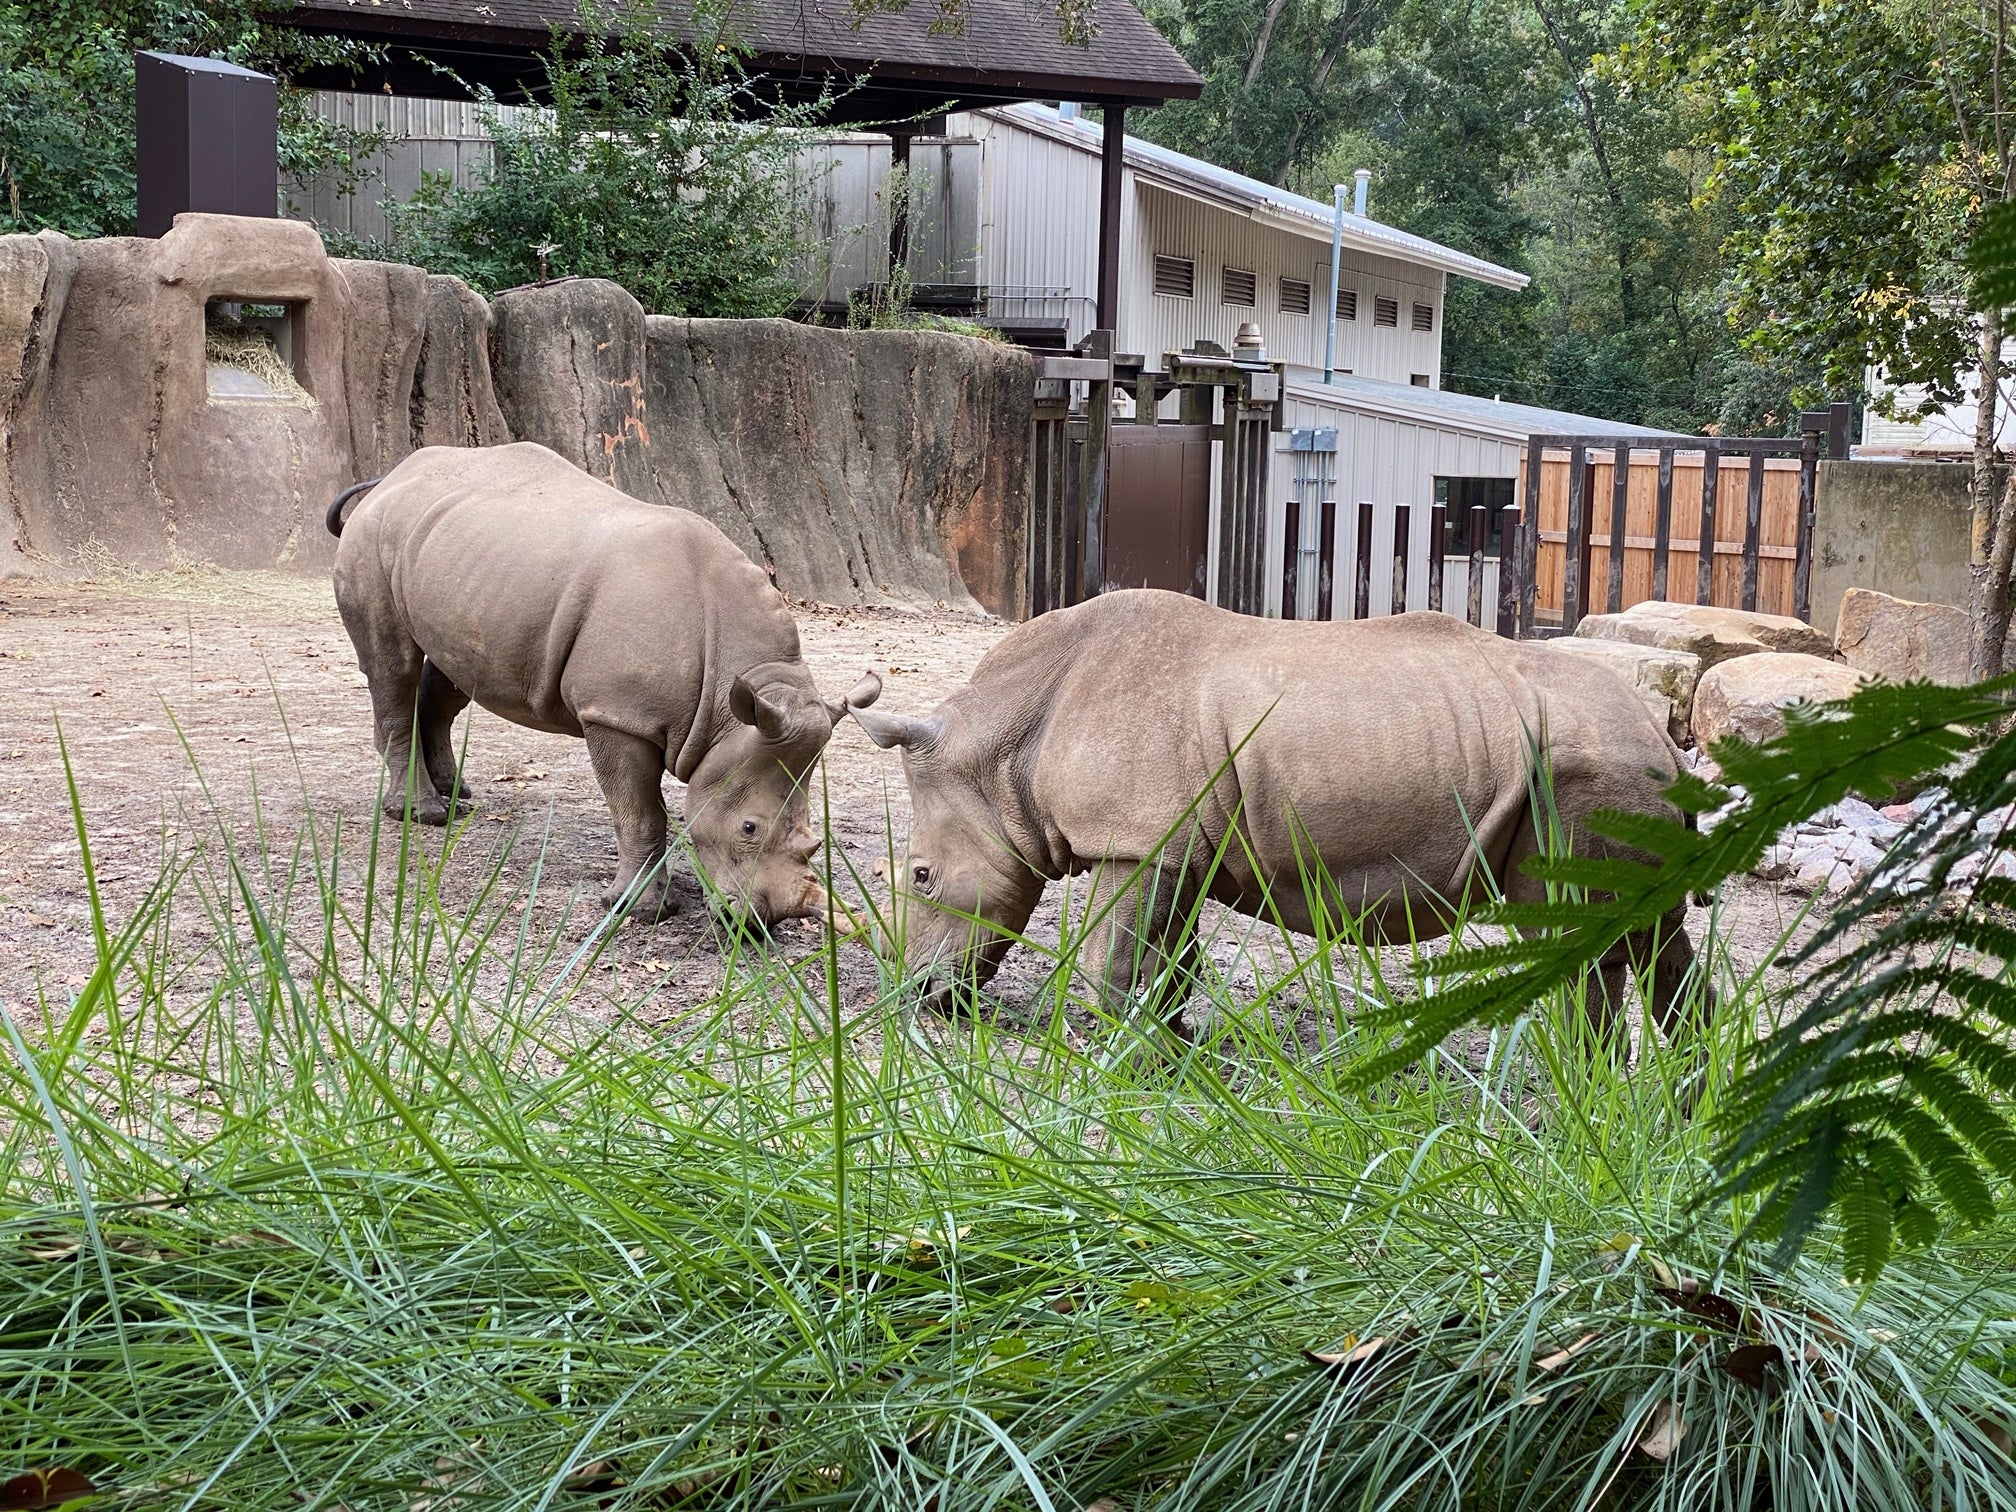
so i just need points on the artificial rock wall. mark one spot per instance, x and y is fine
(861, 467)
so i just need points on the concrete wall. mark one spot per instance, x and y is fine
(1901, 528)
(861, 467)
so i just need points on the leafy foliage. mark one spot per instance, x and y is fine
(658, 167)
(1876, 1100)
(1991, 258)
(66, 102)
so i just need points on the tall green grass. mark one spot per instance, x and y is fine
(325, 1193)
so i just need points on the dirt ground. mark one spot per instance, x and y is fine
(254, 672)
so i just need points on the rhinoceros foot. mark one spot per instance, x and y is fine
(656, 901)
(428, 809)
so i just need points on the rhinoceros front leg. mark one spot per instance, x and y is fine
(440, 701)
(1144, 938)
(630, 771)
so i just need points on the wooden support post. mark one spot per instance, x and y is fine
(1620, 513)
(1402, 533)
(1573, 565)
(1475, 538)
(1326, 561)
(1662, 524)
(1753, 529)
(1112, 157)
(1145, 396)
(1711, 486)
(1802, 560)
(899, 208)
(1361, 593)
(1511, 585)
(1438, 522)
(1231, 509)
(1291, 556)
(1840, 414)
(1522, 556)
(1092, 469)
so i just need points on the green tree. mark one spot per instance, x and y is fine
(656, 167)
(1856, 147)
(66, 101)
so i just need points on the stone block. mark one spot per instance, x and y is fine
(1901, 640)
(1746, 696)
(1705, 631)
(1664, 680)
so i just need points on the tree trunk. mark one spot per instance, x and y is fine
(1990, 623)
(1274, 9)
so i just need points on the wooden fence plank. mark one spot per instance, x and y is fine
(1513, 587)
(1402, 539)
(1711, 484)
(1478, 533)
(1577, 542)
(1438, 517)
(1753, 529)
(1662, 524)
(1620, 506)
(1528, 553)
(1802, 567)
(1291, 556)
(1326, 559)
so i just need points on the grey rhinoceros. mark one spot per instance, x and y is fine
(1392, 757)
(508, 576)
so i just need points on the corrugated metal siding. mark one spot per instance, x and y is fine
(1039, 228)
(1386, 462)
(430, 136)
(845, 179)
(1214, 238)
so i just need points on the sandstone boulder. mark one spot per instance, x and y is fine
(1663, 679)
(1746, 696)
(1901, 640)
(1705, 631)
(570, 375)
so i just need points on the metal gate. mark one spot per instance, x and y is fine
(1115, 503)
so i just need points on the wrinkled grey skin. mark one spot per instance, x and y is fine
(509, 577)
(1363, 746)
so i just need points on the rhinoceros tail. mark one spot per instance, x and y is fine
(334, 518)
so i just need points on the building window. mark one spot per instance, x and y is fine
(1419, 380)
(1294, 296)
(1240, 287)
(1458, 496)
(1175, 276)
(1424, 317)
(1347, 304)
(1386, 312)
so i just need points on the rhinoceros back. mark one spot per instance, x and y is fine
(553, 599)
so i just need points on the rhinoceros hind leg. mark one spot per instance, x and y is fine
(440, 701)
(630, 771)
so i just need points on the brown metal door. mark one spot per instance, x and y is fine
(1158, 507)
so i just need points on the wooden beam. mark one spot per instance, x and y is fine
(1111, 160)
(899, 210)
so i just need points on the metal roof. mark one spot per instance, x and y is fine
(1462, 412)
(888, 64)
(1264, 202)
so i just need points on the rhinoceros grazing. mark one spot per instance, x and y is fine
(1394, 752)
(508, 576)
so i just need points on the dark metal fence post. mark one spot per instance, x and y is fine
(1402, 539)
(1479, 532)
(1802, 557)
(1753, 529)
(1512, 585)
(1326, 549)
(1092, 471)
(1526, 554)
(1291, 556)
(1662, 524)
(1711, 485)
(1361, 598)
(1438, 522)
(1578, 538)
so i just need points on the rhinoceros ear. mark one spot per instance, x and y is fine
(862, 694)
(888, 730)
(770, 718)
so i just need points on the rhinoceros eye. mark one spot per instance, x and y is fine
(748, 826)
(921, 876)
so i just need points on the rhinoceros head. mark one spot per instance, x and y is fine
(748, 815)
(962, 891)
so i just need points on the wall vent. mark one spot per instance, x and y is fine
(1386, 312)
(1347, 304)
(1176, 277)
(1240, 286)
(1424, 317)
(1294, 296)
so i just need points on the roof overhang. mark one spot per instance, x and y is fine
(1466, 414)
(1175, 173)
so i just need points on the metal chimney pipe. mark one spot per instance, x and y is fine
(1364, 177)
(1336, 270)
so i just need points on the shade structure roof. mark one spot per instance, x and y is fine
(890, 64)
